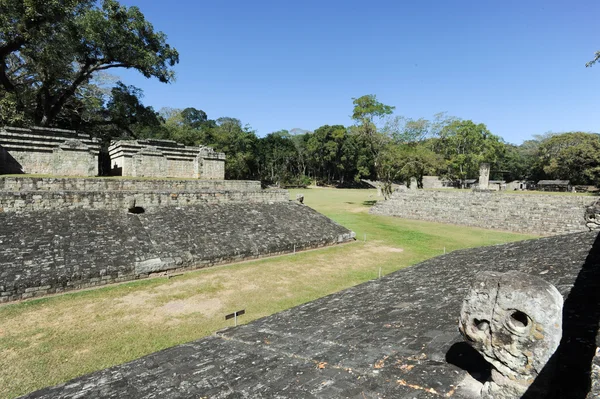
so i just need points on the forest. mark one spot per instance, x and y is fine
(55, 62)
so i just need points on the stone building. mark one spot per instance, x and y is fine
(45, 151)
(165, 158)
(554, 185)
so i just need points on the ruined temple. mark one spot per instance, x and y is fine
(165, 158)
(46, 151)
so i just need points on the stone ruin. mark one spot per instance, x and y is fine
(484, 176)
(47, 151)
(58, 152)
(165, 158)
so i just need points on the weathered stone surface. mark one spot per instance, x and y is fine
(515, 321)
(63, 250)
(533, 213)
(48, 151)
(484, 176)
(25, 194)
(592, 216)
(394, 337)
(166, 158)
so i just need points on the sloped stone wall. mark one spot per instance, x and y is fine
(48, 252)
(522, 213)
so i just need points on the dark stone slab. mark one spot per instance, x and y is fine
(395, 337)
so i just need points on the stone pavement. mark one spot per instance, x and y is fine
(395, 337)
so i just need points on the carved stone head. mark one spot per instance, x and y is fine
(515, 321)
(592, 216)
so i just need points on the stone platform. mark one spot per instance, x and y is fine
(27, 194)
(48, 151)
(539, 214)
(395, 337)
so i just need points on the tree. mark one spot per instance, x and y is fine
(194, 118)
(406, 130)
(278, 158)
(465, 145)
(50, 51)
(573, 156)
(239, 143)
(325, 147)
(594, 60)
(365, 113)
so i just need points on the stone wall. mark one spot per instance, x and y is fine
(48, 252)
(523, 213)
(433, 182)
(165, 158)
(122, 200)
(48, 151)
(17, 183)
(25, 194)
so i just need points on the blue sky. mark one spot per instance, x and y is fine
(517, 66)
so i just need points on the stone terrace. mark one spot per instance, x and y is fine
(25, 194)
(540, 214)
(395, 337)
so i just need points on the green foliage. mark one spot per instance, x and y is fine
(594, 60)
(367, 108)
(573, 156)
(466, 145)
(50, 51)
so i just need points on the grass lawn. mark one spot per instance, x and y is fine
(51, 340)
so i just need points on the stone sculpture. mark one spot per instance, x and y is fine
(592, 216)
(515, 321)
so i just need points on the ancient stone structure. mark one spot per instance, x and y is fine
(515, 321)
(484, 176)
(60, 234)
(554, 185)
(24, 194)
(48, 152)
(165, 158)
(394, 337)
(534, 214)
(45, 252)
(435, 182)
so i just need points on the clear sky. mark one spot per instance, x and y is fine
(517, 66)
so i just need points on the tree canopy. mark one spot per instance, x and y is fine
(50, 52)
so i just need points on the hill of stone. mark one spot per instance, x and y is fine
(44, 252)
(395, 337)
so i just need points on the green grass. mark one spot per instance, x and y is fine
(51, 340)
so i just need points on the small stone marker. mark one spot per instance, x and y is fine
(235, 315)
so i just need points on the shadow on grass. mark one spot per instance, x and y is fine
(369, 203)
